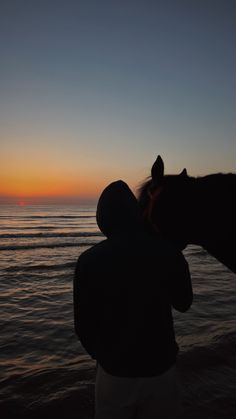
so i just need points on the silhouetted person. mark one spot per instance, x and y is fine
(124, 290)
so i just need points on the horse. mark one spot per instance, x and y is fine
(192, 210)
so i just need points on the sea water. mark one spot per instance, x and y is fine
(44, 371)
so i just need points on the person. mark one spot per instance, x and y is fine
(124, 290)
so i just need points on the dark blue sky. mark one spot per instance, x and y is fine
(107, 85)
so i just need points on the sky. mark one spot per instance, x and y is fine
(93, 91)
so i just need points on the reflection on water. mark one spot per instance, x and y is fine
(43, 366)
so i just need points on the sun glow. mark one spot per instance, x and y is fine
(32, 175)
(21, 204)
(33, 185)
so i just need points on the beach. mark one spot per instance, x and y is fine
(44, 369)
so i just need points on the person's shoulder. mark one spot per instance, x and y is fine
(93, 253)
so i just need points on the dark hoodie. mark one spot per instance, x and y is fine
(124, 289)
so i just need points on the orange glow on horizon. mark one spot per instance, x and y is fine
(48, 173)
(45, 177)
(33, 188)
(35, 184)
(49, 188)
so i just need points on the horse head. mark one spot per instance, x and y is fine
(165, 202)
(188, 210)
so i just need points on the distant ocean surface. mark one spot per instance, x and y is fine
(45, 372)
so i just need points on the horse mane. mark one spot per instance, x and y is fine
(142, 190)
(217, 185)
(209, 179)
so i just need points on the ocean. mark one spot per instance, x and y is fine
(44, 370)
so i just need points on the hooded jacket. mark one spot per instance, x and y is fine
(124, 291)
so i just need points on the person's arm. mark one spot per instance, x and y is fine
(84, 309)
(181, 284)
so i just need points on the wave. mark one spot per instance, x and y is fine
(46, 235)
(55, 267)
(192, 250)
(45, 245)
(221, 351)
(34, 217)
(30, 228)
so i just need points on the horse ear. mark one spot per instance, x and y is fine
(184, 173)
(157, 171)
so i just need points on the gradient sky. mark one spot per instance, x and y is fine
(92, 91)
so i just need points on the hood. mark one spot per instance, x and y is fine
(117, 209)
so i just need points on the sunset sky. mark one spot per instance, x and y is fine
(92, 91)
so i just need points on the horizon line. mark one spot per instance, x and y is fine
(33, 200)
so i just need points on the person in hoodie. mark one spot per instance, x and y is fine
(124, 290)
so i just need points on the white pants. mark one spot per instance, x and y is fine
(137, 398)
